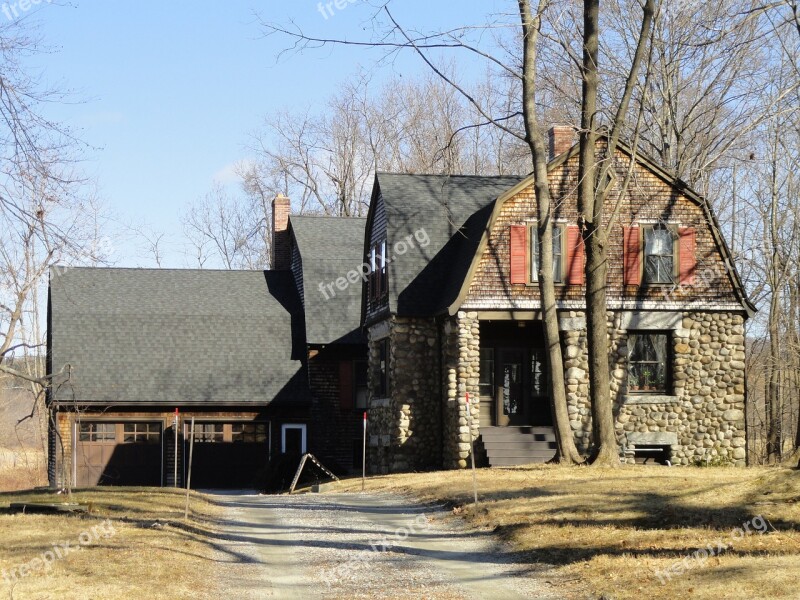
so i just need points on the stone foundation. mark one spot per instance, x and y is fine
(424, 423)
(703, 417)
(406, 426)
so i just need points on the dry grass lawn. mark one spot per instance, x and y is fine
(149, 553)
(610, 532)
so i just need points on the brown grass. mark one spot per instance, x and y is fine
(610, 531)
(151, 554)
(22, 469)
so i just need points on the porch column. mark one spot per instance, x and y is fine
(461, 373)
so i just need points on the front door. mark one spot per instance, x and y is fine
(512, 402)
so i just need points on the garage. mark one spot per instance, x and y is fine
(228, 455)
(118, 453)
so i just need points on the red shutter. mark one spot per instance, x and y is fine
(631, 255)
(687, 261)
(575, 253)
(345, 385)
(519, 254)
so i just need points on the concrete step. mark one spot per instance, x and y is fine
(524, 439)
(545, 453)
(543, 433)
(523, 429)
(519, 444)
(519, 460)
(507, 446)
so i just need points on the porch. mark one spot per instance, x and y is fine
(516, 424)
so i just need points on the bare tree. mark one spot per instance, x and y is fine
(228, 230)
(395, 38)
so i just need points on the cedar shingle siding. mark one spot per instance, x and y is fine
(649, 200)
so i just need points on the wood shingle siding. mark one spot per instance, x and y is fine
(704, 275)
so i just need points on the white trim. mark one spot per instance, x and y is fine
(301, 427)
(488, 304)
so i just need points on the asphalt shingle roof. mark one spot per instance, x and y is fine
(451, 211)
(330, 247)
(172, 337)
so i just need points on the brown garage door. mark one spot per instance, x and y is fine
(229, 455)
(118, 453)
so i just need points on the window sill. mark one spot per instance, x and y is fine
(557, 284)
(649, 398)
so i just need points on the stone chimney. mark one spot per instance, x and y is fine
(560, 138)
(281, 253)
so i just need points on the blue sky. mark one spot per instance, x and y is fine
(170, 91)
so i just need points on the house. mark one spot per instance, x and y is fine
(453, 320)
(256, 362)
(426, 316)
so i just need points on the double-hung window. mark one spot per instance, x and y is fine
(558, 253)
(378, 281)
(659, 255)
(648, 362)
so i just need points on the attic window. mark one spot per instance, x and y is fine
(665, 261)
(378, 282)
(558, 253)
(659, 253)
(384, 269)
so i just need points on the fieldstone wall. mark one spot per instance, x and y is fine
(405, 427)
(460, 375)
(424, 422)
(576, 375)
(703, 416)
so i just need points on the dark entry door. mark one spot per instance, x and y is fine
(512, 401)
(521, 388)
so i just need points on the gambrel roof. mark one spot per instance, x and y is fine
(650, 165)
(458, 213)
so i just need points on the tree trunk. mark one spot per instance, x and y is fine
(566, 452)
(590, 206)
(774, 414)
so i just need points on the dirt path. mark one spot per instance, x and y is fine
(364, 546)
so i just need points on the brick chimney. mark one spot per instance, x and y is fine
(560, 138)
(281, 254)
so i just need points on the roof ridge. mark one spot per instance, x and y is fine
(342, 217)
(516, 175)
(155, 269)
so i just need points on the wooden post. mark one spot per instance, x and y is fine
(472, 451)
(189, 474)
(175, 427)
(364, 455)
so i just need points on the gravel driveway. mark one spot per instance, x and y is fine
(364, 546)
